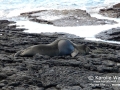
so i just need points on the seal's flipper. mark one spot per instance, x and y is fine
(74, 53)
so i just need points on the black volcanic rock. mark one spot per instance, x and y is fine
(112, 34)
(113, 11)
(42, 72)
(3, 76)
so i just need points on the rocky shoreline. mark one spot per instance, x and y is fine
(76, 17)
(54, 73)
(112, 34)
(113, 11)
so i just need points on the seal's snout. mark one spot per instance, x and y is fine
(83, 49)
(17, 54)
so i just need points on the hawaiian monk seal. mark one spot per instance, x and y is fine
(59, 47)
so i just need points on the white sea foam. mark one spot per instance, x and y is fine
(82, 31)
(87, 32)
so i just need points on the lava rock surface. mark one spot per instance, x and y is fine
(42, 72)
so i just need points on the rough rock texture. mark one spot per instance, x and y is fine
(112, 34)
(75, 17)
(113, 11)
(42, 72)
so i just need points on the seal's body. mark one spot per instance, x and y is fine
(59, 47)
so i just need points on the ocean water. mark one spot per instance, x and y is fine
(11, 9)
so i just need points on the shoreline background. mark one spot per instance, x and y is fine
(14, 8)
(42, 72)
(10, 9)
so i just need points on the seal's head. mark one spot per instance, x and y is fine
(82, 49)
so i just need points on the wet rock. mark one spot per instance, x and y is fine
(2, 85)
(23, 78)
(15, 84)
(4, 82)
(9, 73)
(31, 87)
(108, 63)
(97, 62)
(112, 34)
(21, 68)
(52, 88)
(72, 88)
(39, 57)
(4, 21)
(20, 88)
(118, 65)
(103, 69)
(113, 11)
(3, 76)
(8, 88)
(5, 58)
(75, 17)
